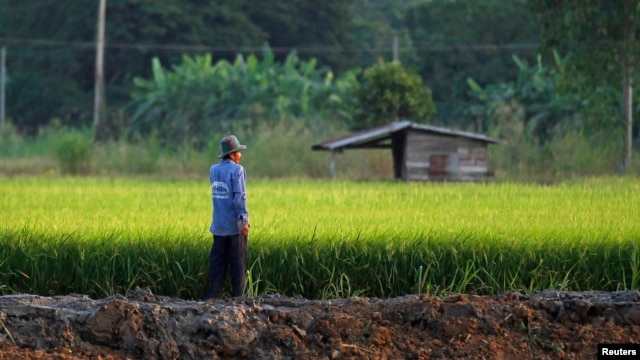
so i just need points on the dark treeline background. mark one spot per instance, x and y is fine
(525, 70)
(51, 44)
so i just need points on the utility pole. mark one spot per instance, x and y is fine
(99, 103)
(396, 57)
(3, 77)
(628, 114)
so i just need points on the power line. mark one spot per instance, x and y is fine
(476, 47)
(47, 42)
(48, 53)
(277, 49)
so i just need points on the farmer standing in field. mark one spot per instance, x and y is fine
(230, 224)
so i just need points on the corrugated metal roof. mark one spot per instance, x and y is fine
(375, 135)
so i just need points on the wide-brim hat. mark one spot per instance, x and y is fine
(230, 144)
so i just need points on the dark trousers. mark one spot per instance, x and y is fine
(227, 251)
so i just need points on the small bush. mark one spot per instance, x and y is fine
(391, 92)
(9, 139)
(73, 151)
(129, 157)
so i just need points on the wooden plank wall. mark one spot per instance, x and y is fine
(437, 158)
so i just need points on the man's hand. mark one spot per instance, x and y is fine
(243, 229)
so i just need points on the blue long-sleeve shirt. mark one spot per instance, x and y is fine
(228, 193)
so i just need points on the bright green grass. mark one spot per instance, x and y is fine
(101, 236)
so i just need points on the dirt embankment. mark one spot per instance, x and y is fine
(546, 325)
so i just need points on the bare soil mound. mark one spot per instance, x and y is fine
(546, 325)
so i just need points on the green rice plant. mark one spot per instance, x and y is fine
(256, 286)
(321, 239)
(340, 288)
(8, 333)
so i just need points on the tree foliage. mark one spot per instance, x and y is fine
(603, 35)
(536, 92)
(459, 39)
(550, 131)
(605, 38)
(51, 52)
(313, 29)
(46, 81)
(374, 27)
(198, 98)
(390, 93)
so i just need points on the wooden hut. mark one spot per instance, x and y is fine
(421, 152)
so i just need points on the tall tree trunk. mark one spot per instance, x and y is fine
(100, 108)
(628, 61)
(630, 125)
(627, 112)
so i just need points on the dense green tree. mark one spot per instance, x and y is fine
(52, 52)
(391, 93)
(459, 39)
(189, 103)
(605, 39)
(314, 29)
(375, 25)
(537, 93)
(139, 30)
(41, 72)
(52, 56)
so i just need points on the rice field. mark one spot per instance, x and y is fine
(321, 239)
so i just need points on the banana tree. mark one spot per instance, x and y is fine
(193, 100)
(603, 35)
